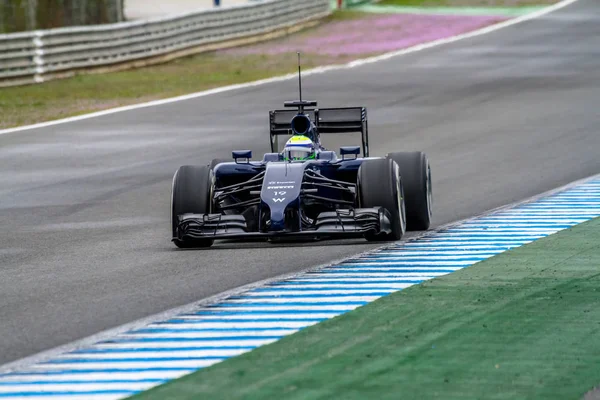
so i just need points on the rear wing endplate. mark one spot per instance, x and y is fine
(327, 120)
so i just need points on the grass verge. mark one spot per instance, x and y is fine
(85, 93)
(521, 325)
(329, 43)
(92, 92)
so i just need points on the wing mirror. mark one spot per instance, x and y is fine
(241, 154)
(350, 150)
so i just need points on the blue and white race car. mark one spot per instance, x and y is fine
(305, 190)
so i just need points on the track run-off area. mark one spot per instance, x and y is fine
(85, 205)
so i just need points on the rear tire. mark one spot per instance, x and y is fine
(190, 194)
(380, 185)
(416, 176)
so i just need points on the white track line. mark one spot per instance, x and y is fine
(190, 343)
(253, 316)
(96, 377)
(148, 354)
(87, 396)
(74, 388)
(288, 308)
(124, 366)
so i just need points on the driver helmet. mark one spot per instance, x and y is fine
(299, 148)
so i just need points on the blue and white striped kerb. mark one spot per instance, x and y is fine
(140, 359)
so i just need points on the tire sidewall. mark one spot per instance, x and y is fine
(399, 193)
(415, 173)
(371, 194)
(191, 192)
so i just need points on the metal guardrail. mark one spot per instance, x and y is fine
(36, 56)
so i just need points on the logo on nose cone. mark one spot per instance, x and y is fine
(279, 200)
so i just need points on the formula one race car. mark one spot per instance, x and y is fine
(304, 191)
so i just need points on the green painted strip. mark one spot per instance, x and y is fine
(355, 3)
(350, 3)
(521, 325)
(467, 11)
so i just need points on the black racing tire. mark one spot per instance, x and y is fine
(215, 161)
(379, 185)
(416, 176)
(190, 194)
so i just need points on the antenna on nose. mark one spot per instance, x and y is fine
(299, 77)
(300, 104)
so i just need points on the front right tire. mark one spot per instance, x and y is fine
(380, 185)
(416, 176)
(190, 194)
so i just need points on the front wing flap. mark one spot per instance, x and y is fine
(346, 223)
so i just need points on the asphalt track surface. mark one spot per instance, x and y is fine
(84, 206)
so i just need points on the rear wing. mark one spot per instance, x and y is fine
(327, 120)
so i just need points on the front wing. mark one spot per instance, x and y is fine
(329, 225)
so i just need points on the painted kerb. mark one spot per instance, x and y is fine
(41, 55)
(148, 356)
